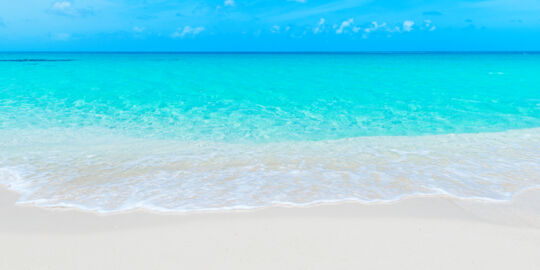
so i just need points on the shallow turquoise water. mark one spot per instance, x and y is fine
(269, 97)
(183, 132)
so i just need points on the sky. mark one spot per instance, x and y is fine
(278, 25)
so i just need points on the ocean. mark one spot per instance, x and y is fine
(182, 132)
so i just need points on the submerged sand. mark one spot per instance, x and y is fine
(414, 233)
(107, 172)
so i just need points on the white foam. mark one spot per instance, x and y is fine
(101, 171)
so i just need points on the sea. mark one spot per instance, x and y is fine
(181, 132)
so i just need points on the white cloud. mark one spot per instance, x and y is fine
(374, 27)
(138, 29)
(408, 26)
(429, 26)
(344, 25)
(65, 8)
(187, 30)
(61, 5)
(356, 29)
(319, 27)
(230, 3)
(276, 29)
(393, 29)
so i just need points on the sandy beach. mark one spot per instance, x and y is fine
(297, 134)
(414, 233)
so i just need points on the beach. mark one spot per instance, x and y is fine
(300, 134)
(269, 161)
(415, 233)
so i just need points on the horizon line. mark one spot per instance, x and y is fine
(284, 52)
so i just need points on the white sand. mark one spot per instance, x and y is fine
(419, 233)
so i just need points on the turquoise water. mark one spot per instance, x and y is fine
(267, 97)
(210, 131)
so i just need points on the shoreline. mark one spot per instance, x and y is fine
(5, 191)
(108, 173)
(413, 233)
(526, 202)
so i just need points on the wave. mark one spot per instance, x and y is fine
(100, 170)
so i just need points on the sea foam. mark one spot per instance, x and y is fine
(100, 170)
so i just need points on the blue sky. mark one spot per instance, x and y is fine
(279, 25)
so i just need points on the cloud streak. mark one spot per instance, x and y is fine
(138, 29)
(320, 26)
(66, 8)
(317, 10)
(187, 31)
(344, 25)
(408, 26)
(374, 27)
